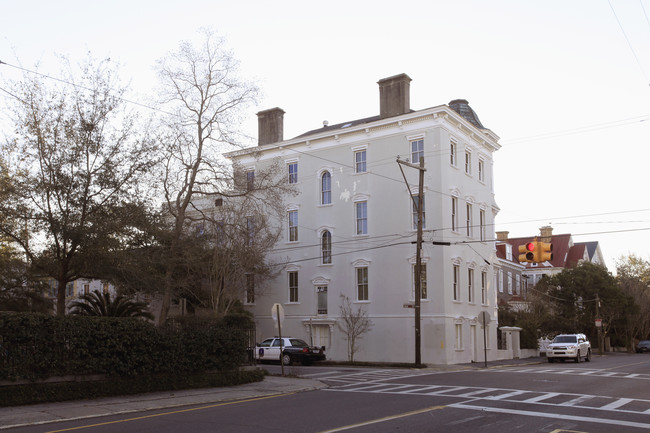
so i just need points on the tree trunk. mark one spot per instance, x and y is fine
(60, 296)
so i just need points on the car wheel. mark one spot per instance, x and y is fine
(286, 359)
(577, 360)
(588, 357)
(551, 360)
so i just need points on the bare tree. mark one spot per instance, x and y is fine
(354, 323)
(633, 275)
(205, 97)
(75, 163)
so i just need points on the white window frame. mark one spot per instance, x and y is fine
(481, 170)
(361, 219)
(509, 282)
(484, 283)
(294, 290)
(458, 341)
(453, 151)
(468, 162)
(423, 281)
(360, 285)
(360, 167)
(414, 211)
(456, 282)
(500, 280)
(454, 213)
(419, 152)
(292, 177)
(292, 225)
(470, 285)
(325, 259)
(482, 223)
(325, 195)
(469, 210)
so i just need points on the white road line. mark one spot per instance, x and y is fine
(577, 400)
(552, 415)
(506, 395)
(541, 397)
(616, 404)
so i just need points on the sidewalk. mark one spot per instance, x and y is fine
(17, 416)
(11, 417)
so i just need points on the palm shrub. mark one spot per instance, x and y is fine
(101, 304)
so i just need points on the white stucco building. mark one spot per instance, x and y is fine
(351, 230)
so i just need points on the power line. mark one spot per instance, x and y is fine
(629, 44)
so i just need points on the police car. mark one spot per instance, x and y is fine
(292, 349)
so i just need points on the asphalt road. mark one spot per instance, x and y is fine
(609, 394)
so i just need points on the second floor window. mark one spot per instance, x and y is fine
(360, 161)
(362, 217)
(362, 284)
(483, 287)
(452, 153)
(468, 222)
(293, 286)
(293, 226)
(326, 188)
(456, 282)
(482, 224)
(454, 214)
(481, 170)
(414, 201)
(250, 180)
(470, 285)
(468, 163)
(326, 247)
(293, 172)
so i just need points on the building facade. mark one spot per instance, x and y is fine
(350, 232)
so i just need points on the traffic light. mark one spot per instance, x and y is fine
(527, 252)
(544, 252)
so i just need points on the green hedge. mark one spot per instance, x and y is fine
(16, 395)
(34, 346)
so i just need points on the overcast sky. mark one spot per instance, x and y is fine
(565, 84)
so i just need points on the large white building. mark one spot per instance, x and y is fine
(351, 230)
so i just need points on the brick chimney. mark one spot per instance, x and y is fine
(502, 236)
(545, 233)
(394, 96)
(270, 126)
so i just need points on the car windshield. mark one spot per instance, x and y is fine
(644, 343)
(297, 342)
(565, 339)
(266, 342)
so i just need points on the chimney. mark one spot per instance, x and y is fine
(545, 233)
(502, 236)
(270, 126)
(394, 96)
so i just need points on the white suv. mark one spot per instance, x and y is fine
(569, 346)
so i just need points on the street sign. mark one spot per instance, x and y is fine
(599, 323)
(484, 318)
(276, 311)
(409, 305)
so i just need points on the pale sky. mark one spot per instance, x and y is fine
(565, 84)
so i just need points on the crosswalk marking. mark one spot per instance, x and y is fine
(616, 404)
(579, 372)
(541, 397)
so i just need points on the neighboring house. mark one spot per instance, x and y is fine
(77, 288)
(512, 281)
(351, 230)
(566, 253)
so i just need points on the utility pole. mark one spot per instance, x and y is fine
(418, 255)
(600, 338)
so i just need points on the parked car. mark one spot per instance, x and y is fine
(569, 346)
(643, 346)
(293, 350)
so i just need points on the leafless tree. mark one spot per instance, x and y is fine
(205, 98)
(633, 275)
(354, 323)
(75, 164)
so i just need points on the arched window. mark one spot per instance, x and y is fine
(326, 247)
(326, 188)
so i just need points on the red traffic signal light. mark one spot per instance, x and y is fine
(527, 252)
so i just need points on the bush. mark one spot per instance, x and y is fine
(34, 346)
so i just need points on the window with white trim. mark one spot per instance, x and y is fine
(293, 225)
(454, 213)
(362, 283)
(481, 170)
(360, 161)
(517, 284)
(468, 162)
(453, 153)
(456, 282)
(509, 282)
(458, 344)
(423, 280)
(361, 217)
(468, 220)
(326, 188)
(484, 287)
(414, 207)
(470, 285)
(326, 247)
(481, 217)
(417, 150)
(293, 172)
(250, 180)
(500, 280)
(293, 286)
